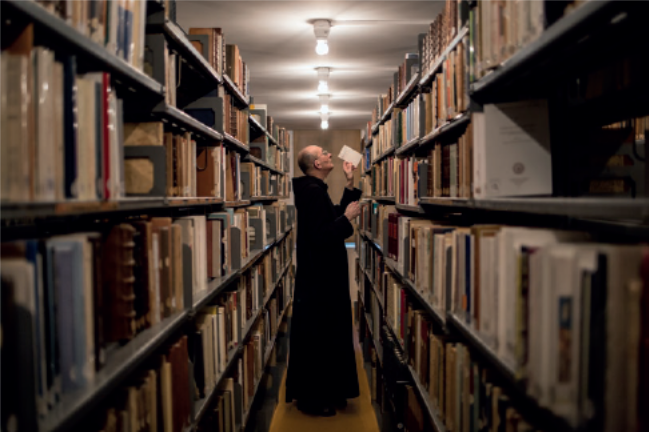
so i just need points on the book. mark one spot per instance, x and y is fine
(512, 150)
(350, 155)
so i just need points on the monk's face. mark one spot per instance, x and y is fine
(323, 161)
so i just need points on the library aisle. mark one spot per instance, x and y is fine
(358, 416)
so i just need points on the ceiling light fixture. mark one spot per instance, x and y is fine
(323, 78)
(324, 117)
(321, 29)
(324, 103)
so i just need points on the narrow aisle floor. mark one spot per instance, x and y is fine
(359, 415)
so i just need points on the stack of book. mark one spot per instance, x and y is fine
(62, 136)
(512, 286)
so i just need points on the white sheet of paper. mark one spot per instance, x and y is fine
(348, 154)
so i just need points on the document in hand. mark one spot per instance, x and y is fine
(350, 155)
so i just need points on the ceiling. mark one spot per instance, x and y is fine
(278, 44)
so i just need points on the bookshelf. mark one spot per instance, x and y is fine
(263, 130)
(58, 31)
(178, 119)
(145, 99)
(569, 31)
(202, 405)
(234, 90)
(117, 368)
(564, 65)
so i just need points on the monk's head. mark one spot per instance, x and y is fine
(315, 162)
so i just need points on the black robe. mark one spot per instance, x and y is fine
(322, 363)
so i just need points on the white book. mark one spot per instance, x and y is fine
(562, 355)
(350, 155)
(86, 142)
(16, 173)
(509, 243)
(517, 158)
(478, 120)
(221, 338)
(45, 169)
(487, 303)
(57, 131)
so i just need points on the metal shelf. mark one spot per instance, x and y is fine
(384, 155)
(438, 425)
(261, 163)
(62, 209)
(62, 33)
(392, 265)
(409, 208)
(597, 208)
(377, 346)
(611, 209)
(201, 406)
(265, 198)
(192, 201)
(407, 147)
(214, 288)
(74, 406)
(451, 126)
(383, 199)
(426, 79)
(179, 119)
(543, 418)
(258, 125)
(452, 204)
(237, 145)
(472, 338)
(569, 31)
(234, 90)
(410, 90)
(269, 351)
(386, 115)
(188, 52)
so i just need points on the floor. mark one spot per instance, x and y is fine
(359, 415)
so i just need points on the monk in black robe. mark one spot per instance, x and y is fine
(322, 365)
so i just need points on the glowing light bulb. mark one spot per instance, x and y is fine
(322, 47)
(323, 87)
(324, 109)
(324, 124)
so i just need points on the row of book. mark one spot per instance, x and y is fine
(61, 130)
(117, 25)
(428, 111)
(220, 327)
(500, 29)
(81, 295)
(472, 165)
(65, 139)
(160, 397)
(461, 391)
(156, 399)
(224, 58)
(441, 32)
(532, 295)
(260, 113)
(234, 396)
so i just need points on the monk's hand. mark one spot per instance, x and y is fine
(349, 168)
(353, 210)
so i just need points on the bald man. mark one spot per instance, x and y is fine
(322, 366)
